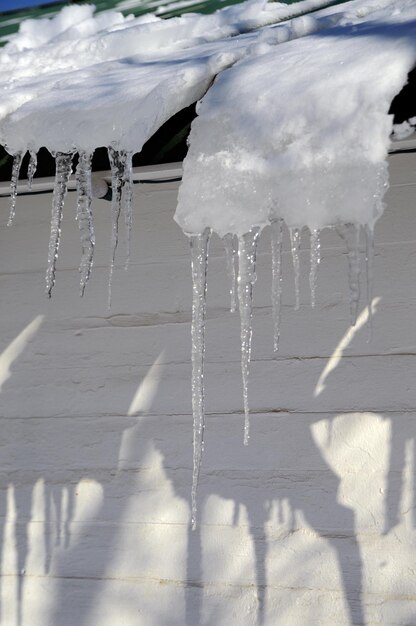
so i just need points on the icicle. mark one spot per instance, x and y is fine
(127, 203)
(351, 235)
(369, 258)
(276, 241)
(199, 263)
(247, 245)
(84, 217)
(17, 162)
(31, 168)
(295, 246)
(315, 259)
(63, 172)
(230, 258)
(118, 165)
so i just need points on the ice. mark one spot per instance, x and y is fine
(31, 169)
(247, 247)
(199, 263)
(17, 162)
(315, 259)
(369, 257)
(295, 248)
(350, 233)
(230, 261)
(85, 217)
(128, 203)
(63, 172)
(276, 244)
(118, 160)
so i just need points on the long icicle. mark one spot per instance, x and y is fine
(199, 264)
(117, 163)
(31, 168)
(350, 233)
(369, 258)
(247, 247)
(315, 259)
(63, 162)
(230, 259)
(295, 247)
(17, 162)
(128, 203)
(85, 217)
(276, 244)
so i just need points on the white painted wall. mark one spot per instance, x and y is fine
(312, 524)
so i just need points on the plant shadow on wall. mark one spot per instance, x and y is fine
(113, 517)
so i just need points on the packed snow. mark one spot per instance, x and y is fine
(293, 128)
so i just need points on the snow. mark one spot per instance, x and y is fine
(300, 131)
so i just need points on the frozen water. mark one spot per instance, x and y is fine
(118, 160)
(199, 263)
(63, 172)
(276, 243)
(247, 246)
(17, 162)
(84, 217)
(31, 169)
(128, 203)
(315, 259)
(230, 260)
(351, 235)
(295, 247)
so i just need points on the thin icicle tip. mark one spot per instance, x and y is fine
(17, 162)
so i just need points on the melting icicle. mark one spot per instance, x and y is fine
(230, 258)
(31, 168)
(315, 259)
(84, 217)
(276, 241)
(199, 263)
(295, 246)
(118, 166)
(351, 235)
(369, 258)
(63, 172)
(128, 203)
(17, 162)
(247, 246)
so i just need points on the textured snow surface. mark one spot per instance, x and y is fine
(77, 81)
(301, 131)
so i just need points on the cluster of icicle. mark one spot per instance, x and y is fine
(122, 195)
(240, 256)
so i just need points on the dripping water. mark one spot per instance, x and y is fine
(276, 243)
(84, 217)
(63, 163)
(369, 259)
(230, 261)
(118, 165)
(199, 264)
(31, 168)
(17, 162)
(128, 203)
(295, 247)
(350, 233)
(247, 247)
(315, 259)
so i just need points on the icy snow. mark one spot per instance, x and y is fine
(300, 132)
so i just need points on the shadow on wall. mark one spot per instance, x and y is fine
(90, 524)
